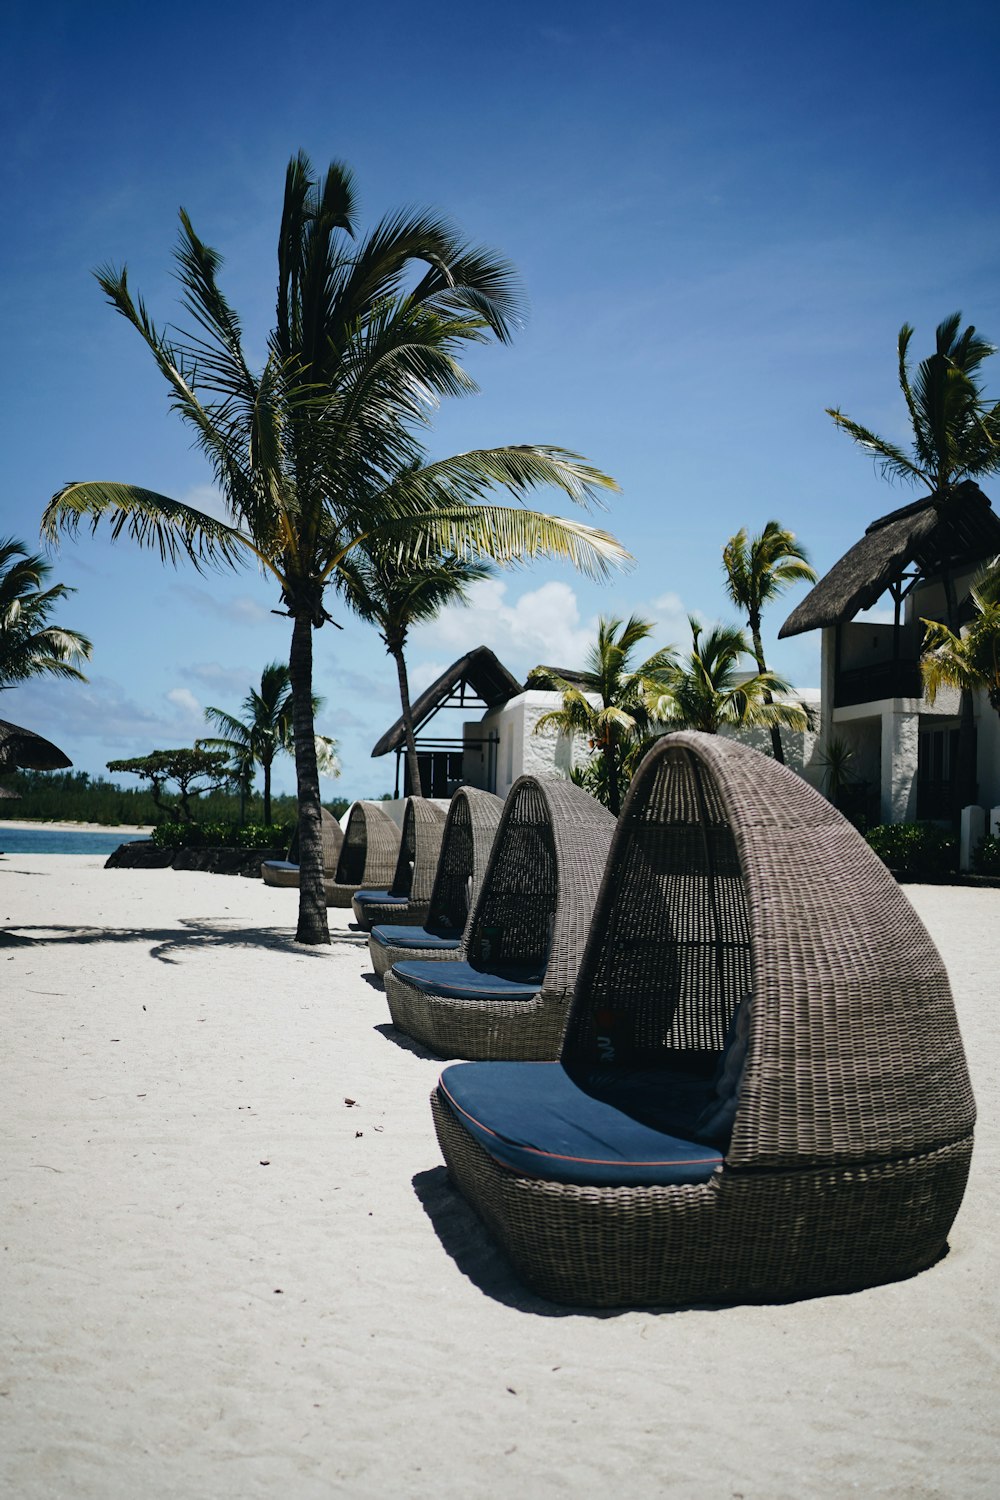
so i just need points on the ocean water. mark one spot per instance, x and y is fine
(61, 841)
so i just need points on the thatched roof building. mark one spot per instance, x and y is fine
(922, 539)
(24, 748)
(477, 678)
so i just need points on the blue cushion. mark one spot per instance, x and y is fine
(533, 1119)
(389, 936)
(460, 981)
(279, 864)
(381, 898)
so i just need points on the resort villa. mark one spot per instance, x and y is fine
(872, 698)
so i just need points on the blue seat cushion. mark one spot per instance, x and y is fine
(389, 936)
(280, 864)
(534, 1120)
(460, 981)
(381, 898)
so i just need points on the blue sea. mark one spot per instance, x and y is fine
(62, 841)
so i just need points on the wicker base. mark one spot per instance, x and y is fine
(339, 895)
(369, 914)
(272, 876)
(748, 1237)
(383, 957)
(481, 1030)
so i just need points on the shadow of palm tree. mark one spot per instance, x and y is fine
(194, 933)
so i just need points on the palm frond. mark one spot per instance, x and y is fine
(151, 519)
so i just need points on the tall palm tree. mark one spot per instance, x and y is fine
(709, 690)
(757, 570)
(265, 730)
(394, 596)
(29, 645)
(970, 660)
(316, 452)
(624, 691)
(956, 436)
(956, 432)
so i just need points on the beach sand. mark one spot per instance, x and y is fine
(232, 1265)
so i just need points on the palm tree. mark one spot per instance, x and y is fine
(970, 660)
(956, 436)
(757, 570)
(708, 689)
(315, 453)
(264, 730)
(393, 597)
(29, 645)
(624, 691)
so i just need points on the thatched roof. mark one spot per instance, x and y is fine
(964, 532)
(479, 670)
(25, 748)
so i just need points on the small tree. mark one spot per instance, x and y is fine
(709, 690)
(757, 570)
(29, 645)
(622, 714)
(186, 768)
(971, 660)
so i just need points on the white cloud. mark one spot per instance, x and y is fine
(186, 703)
(542, 625)
(240, 609)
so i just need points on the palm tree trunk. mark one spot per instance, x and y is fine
(412, 765)
(777, 749)
(266, 767)
(963, 785)
(313, 926)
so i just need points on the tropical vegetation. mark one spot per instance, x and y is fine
(30, 646)
(621, 718)
(709, 689)
(319, 450)
(757, 570)
(394, 596)
(194, 772)
(969, 659)
(264, 731)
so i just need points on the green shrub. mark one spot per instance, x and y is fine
(222, 836)
(987, 856)
(915, 850)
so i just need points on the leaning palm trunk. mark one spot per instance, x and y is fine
(777, 749)
(963, 786)
(412, 764)
(313, 927)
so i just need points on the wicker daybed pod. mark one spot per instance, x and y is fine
(408, 895)
(285, 872)
(507, 992)
(741, 923)
(465, 850)
(368, 855)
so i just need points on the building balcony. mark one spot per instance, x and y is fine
(871, 683)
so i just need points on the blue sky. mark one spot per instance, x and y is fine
(722, 214)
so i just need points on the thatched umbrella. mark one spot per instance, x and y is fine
(24, 748)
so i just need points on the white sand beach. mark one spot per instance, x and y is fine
(232, 1265)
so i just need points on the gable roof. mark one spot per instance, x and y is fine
(479, 669)
(966, 531)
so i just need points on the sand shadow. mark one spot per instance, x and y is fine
(166, 944)
(407, 1043)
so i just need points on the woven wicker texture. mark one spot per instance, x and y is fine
(466, 842)
(730, 876)
(368, 855)
(333, 841)
(534, 908)
(416, 863)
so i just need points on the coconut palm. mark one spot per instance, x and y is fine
(956, 432)
(970, 660)
(709, 690)
(956, 436)
(316, 451)
(757, 570)
(265, 730)
(623, 691)
(393, 597)
(29, 645)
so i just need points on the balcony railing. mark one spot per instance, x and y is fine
(889, 679)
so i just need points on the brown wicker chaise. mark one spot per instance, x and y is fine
(408, 896)
(285, 872)
(730, 880)
(368, 856)
(527, 930)
(465, 850)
